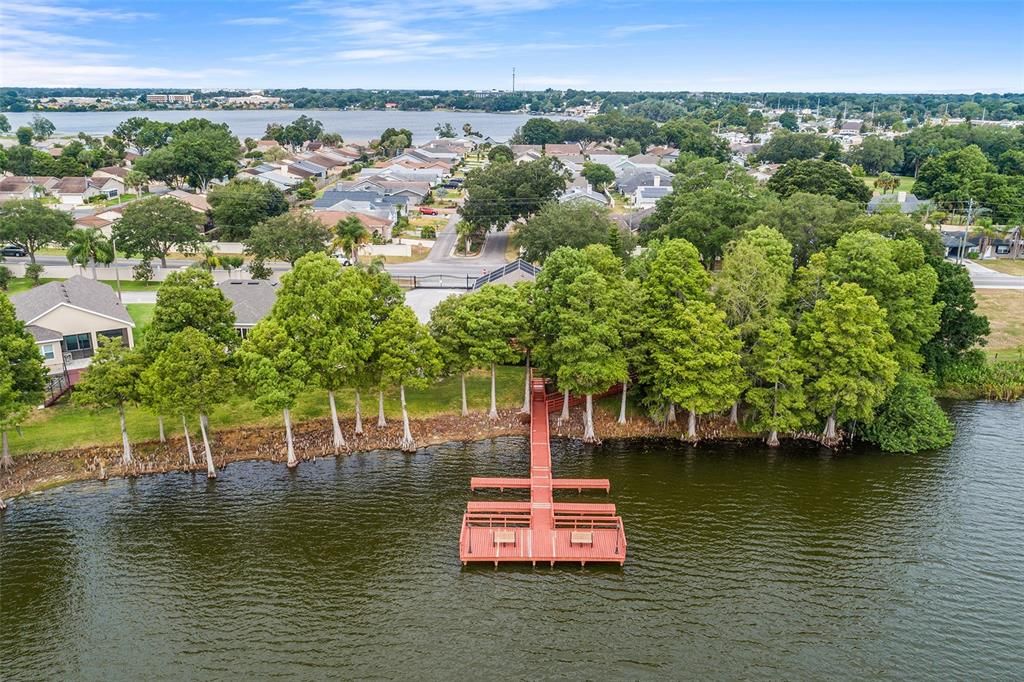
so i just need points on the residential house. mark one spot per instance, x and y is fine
(850, 128)
(563, 149)
(251, 301)
(373, 223)
(585, 194)
(25, 187)
(647, 197)
(73, 190)
(118, 172)
(907, 203)
(67, 319)
(108, 186)
(197, 202)
(432, 176)
(647, 176)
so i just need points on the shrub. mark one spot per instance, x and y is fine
(428, 232)
(143, 272)
(910, 420)
(33, 272)
(5, 277)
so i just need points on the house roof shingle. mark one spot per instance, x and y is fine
(78, 291)
(251, 299)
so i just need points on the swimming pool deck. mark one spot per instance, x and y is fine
(541, 530)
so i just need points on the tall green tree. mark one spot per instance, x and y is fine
(288, 237)
(960, 327)
(895, 273)
(276, 371)
(598, 174)
(87, 246)
(112, 380)
(589, 349)
(493, 318)
(408, 356)
(691, 358)
(324, 310)
(449, 322)
(384, 297)
(191, 375)
(42, 127)
(22, 376)
(504, 192)
(29, 223)
(240, 205)
(189, 298)
(819, 177)
(751, 286)
(777, 394)
(847, 349)
(154, 226)
(574, 224)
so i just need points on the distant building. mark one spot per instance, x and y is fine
(169, 98)
(251, 301)
(254, 101)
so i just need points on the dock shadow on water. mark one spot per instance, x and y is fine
(743, 562)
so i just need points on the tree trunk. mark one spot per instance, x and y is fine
(773, 439)
(734, 413)
(465, 405)
(407, 444)
(188, 443)
(160, 423)
(691, 425)
(525, 388)
(339, 439)
(292, 461)
(6, 463)
(126, 457)
(163, 260)
(588, 422)
(381, 421)
(32, 256)
(622, 403)
(93, 262)
(830, 428)
(564, 416)
(493, 414)
(670, 418)
(359, 414)
(204, 427)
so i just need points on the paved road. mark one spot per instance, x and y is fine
(986, 278)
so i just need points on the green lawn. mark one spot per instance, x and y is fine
(142, 314)
(906, 183)
(1004, 265)
(67, 426)
(19, 284)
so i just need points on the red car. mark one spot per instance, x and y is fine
(426, 210)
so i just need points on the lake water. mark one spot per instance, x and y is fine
(743, 563)
(355, 126)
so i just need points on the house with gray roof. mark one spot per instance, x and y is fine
(585, 194)
(251, 300)
(647, 176)
(647, 196)
(68, 319)
(907, 203)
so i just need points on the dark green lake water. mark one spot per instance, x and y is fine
(743, 562)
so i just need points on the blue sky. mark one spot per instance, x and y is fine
(894, 46)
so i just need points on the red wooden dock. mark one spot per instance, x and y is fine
(541, 530)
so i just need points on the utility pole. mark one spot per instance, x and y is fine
(117, 273)
(967, 228)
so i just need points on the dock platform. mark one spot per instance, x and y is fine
(541, 530)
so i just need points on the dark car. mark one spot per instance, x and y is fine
(14, 250)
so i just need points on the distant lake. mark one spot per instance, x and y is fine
(355, 126)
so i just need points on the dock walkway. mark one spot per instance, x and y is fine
(541, 530)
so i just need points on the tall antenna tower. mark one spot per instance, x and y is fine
(513, 80)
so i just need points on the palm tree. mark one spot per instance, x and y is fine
(209, 259)
(87, 246)
(350, 234)
(135, 180)
(887, 182)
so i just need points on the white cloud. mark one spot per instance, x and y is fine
(255, 21)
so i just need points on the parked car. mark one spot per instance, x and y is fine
(452, 185)
(427, 210)
(14, 250)
(456, 181)
(345, 261)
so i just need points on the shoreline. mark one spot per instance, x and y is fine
(38, 471)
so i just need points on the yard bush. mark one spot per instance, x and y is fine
(33, 272)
